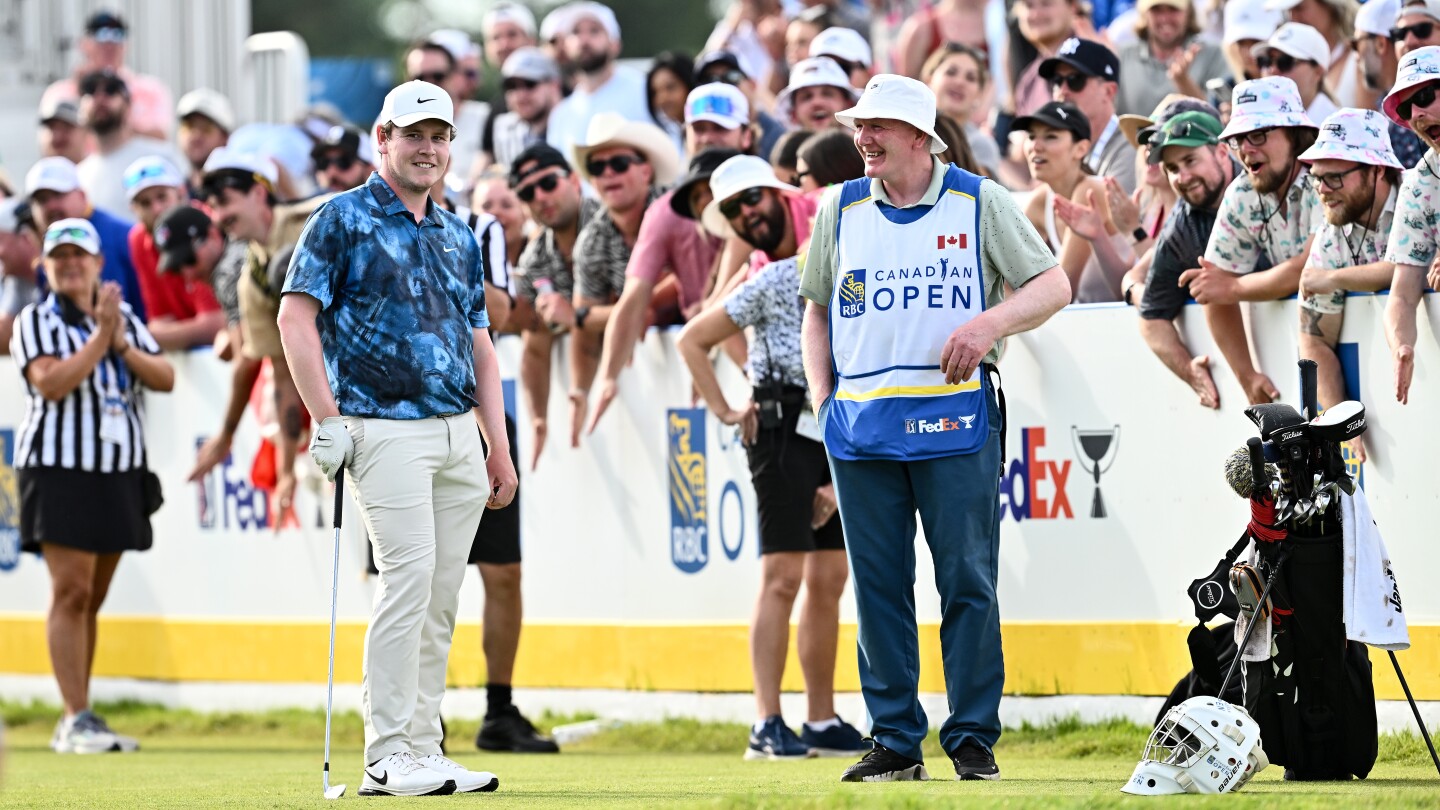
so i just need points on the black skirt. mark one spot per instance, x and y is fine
(103, 513)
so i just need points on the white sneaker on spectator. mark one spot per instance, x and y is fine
(466, 781)
(402, 775)
(85, 733)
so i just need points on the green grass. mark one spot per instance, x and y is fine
(272, 759)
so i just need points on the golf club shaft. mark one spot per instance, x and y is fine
(334, 594)
(1250, 629)
(1414, 708)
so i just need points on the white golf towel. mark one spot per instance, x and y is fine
(1372, 608)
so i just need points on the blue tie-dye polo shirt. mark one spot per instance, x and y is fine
(398, 301)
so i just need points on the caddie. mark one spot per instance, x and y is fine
(905, 319)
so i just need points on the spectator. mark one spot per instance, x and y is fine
(827, 159)
(1059, 139)
(592, 44)
(1167, 57)
(105, 111)
(19, 251)
(191, 250)
(671, 77)
(847, 49)
(1086, 75)
(343, 159)
(1247, 23)
(785, 157)
(957, 149)
(53, 186)
(801, 541)
(507, 27)
(550, 189)
(1357, 178)
(531, 83)
(60, 132)
(1298, 52)
(103, 48)
(1415, 26)
(433, 62)
(940, 26)
(1144, 213)
(1271, 211)
(182, 315)
(799, 33)
(628, 163)
(841, 12)
(84, 357)
(818, 89)
(493, 196)
(206, 121)
(1378, 60)
(1045, 25)
(958, 76)
(753, 30)
(1416, 231)
(723, 66)
(1335, 21)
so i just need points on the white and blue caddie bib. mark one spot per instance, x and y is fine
(906, 278)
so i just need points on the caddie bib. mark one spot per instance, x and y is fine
(906, 278)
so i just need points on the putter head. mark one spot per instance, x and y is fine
(1340, 423)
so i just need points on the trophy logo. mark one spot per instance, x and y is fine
(1098, 447)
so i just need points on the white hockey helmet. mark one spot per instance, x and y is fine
(1204, 745)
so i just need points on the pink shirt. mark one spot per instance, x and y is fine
(669, 242)
(152, 110)
(802, 216)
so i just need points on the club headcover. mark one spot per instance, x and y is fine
(1273, 417)
(1340, 423)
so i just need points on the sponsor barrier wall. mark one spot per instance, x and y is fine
(641, 551)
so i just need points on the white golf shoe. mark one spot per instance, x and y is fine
(86, 733)
(466, 781)
(402, 775)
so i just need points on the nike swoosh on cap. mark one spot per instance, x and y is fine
(378, 779)
(423, 100)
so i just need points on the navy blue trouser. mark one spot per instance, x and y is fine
(957, 498)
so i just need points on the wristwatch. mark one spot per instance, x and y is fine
(581, 313)
(1139, 234)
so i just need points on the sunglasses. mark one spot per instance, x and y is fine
(105, 86)
(140, 175)
(1284, 63)
(750, 196)
(1075, 81)
(518, 84)
(1420, 30)
(547, 184)
(1423, 97)
(56, 234)
(1188, 130)
(342, 162)
(1255, 138)
(731, 77)
(433, 76)
(109, 35)
(1334, 181)
(619, 164)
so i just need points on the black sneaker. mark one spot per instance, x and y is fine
(972, 761)
(508, 730)
(884, 765)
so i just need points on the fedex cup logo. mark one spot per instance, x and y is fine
(689, 541)
(852, 294)
(9, 503)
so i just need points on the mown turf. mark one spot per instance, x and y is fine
(272, 759)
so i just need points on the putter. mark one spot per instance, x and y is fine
(335, 791)
(1416, 709)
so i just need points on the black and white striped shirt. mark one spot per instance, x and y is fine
(490, 236)
(67, 433)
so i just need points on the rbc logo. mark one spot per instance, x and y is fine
(852, 294)
(689, 543)
(9, 503)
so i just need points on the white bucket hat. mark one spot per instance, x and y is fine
(1420, 66)
(612, 129)
(739, 173)
(1298, 40)
(813, 72)
(1273, 101)
(1361, 136)
(901, 98)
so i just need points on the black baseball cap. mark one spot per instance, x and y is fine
(711, 59)
(176, 232)
(344, 137)
(540, 156)
(1059, 115)
(104, 19)
(701, 167)
(1090, 58)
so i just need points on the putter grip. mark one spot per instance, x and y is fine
(1257, 467)
(1309, 399)
(339, 495)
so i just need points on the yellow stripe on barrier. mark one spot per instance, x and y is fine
(1041, 658)
(909, 391)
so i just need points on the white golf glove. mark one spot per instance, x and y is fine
(331, 446)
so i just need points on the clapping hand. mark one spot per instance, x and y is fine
(1082, 219)
(1124, 209)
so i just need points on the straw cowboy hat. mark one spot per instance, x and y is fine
(611, 129)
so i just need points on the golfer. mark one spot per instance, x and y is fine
(397, 369)
(905, 315)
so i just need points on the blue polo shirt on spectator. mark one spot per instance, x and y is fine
(398, 300)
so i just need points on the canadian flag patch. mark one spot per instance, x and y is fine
(956, 240)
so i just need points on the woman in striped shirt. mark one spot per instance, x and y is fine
(80, 457)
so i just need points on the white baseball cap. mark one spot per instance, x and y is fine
(52, 174)
(531, 64)
(564, 19)
(210, 103)
(1249, 19)
(1360, 136)
(842, 43)
(1429, 8)
(226, 159)
(72, 231)
(1375, 17)
(148, 172)
(901, 98)
(812, 72)
(10, 214)
(1298, 40)
(511, 13)
(417, 101)
(739, 173)
(718, 103)
(455, 42)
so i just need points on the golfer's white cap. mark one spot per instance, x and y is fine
(901, 98)
(739, 173)
(72, 232)
(842, 43)
(417, 101)
(52, 174)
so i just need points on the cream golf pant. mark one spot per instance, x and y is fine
(421, 487)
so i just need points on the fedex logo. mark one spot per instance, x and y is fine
(940, 425)
(1034, 487)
